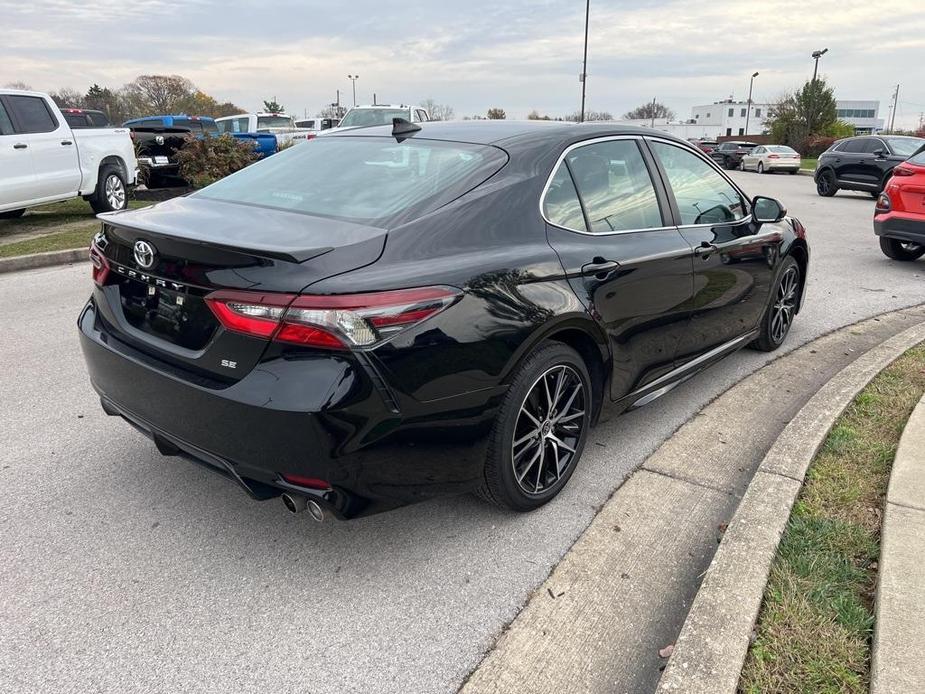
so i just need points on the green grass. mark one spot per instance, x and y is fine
(808, 163)
(77, 214)
(78, 237)
(816, 621)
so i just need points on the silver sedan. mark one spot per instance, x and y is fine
(768, 158)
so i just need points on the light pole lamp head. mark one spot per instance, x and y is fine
(754, 75)
(819, 54)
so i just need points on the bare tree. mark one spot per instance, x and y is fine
(18, 85)
(649, 110)
(589, 116)
(156, 94)
(496, 113)
(333, 111)
(438, 111)
(535, 115)
(67, 98)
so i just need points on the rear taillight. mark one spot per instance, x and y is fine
(307, 482)
(340, 321)
(884, 204)
(903, 171)
(773, 156)
(100, 269)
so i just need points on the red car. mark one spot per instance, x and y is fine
(899, 219)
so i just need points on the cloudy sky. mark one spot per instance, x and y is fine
(473, 54)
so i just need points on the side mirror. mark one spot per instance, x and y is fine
(767, 210)
(879, 152)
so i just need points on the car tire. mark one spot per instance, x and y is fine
(826, 185)
(12, 214)
(792, 172)
(901, 250)
(525, 467)
(778, 316)
(111, 194)
(761, 167)
(741, 166)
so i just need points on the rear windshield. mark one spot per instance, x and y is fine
(369, 180)
(905, 146)
(919, 158)
(373, 116)
(264, 122)
(782, 149)
(196, 126)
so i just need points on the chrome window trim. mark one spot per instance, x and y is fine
(555, 169)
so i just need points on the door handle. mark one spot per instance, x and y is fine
(599, 267)
(66, 142)
(706, 249)
(20, 145)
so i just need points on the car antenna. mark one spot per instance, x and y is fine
(402, 127)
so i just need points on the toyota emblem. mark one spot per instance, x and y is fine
(144, 254)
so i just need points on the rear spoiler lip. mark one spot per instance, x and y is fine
(299, 256)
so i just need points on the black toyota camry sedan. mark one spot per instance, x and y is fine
(381, 316)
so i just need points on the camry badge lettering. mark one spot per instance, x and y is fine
(149, 279)
(144, 254)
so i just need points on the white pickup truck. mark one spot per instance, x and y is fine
(42, 160)
(279, 124)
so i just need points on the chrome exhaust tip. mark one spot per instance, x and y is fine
(294, 503)
(315, 510)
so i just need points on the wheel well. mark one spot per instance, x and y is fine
(590, 352)
(801, 255)
(112, 159)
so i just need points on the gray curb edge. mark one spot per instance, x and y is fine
(37, 260)
(710, 650)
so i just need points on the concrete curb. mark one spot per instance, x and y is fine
(711, 648)
(37, 260)
(899, 629)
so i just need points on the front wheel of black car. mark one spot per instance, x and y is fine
(778, 318)
(901, 250)
(540, 431)
(825, 184)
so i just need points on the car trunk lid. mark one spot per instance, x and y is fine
(165, 260)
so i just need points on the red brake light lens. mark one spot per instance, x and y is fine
(340, 321)
(773, 156)
(307, 482)
(100, 269)
(884, 204)
(903, 171)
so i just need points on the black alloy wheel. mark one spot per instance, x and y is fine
(901, 250)
(540, 431)
(778, 318)
(825, 184)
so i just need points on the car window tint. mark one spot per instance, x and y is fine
(6, 125)
(854, 146)
(905, 146)
(32, 113)
(614, 184)
(702, 194)
(561, 205)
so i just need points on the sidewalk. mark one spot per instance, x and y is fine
(899, 638)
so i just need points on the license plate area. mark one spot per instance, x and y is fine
(178, 316)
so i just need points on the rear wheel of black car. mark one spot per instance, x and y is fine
(111, 194)
(825, 184)
(540, 431)
(12, 214)
(901, 250)
(778, 318)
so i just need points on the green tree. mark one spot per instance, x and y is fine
(652, 109)
(496, 113)
(273, 106)
(809, 111)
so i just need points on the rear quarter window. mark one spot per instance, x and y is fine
(32, 114)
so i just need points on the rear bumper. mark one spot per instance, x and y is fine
(894, 226)
(783, 166)
(268, 424)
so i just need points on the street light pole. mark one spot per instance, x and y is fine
(354, 78)
(584, 63)
(816, 55)
(748, 106)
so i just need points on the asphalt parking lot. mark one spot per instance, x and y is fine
(124, 571)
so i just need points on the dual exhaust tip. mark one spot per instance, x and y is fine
(296, 503)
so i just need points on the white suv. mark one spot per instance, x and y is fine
(380, 114)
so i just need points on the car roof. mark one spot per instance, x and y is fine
(510, 132)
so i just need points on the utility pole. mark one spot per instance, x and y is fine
(584, 63)
(653, 111)
(893, 108)
(748, 106)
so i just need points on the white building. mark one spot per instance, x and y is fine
(730, 117)
(863, 115)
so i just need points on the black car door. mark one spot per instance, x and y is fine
(608, 220)
(734, 259)
(852, 162)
